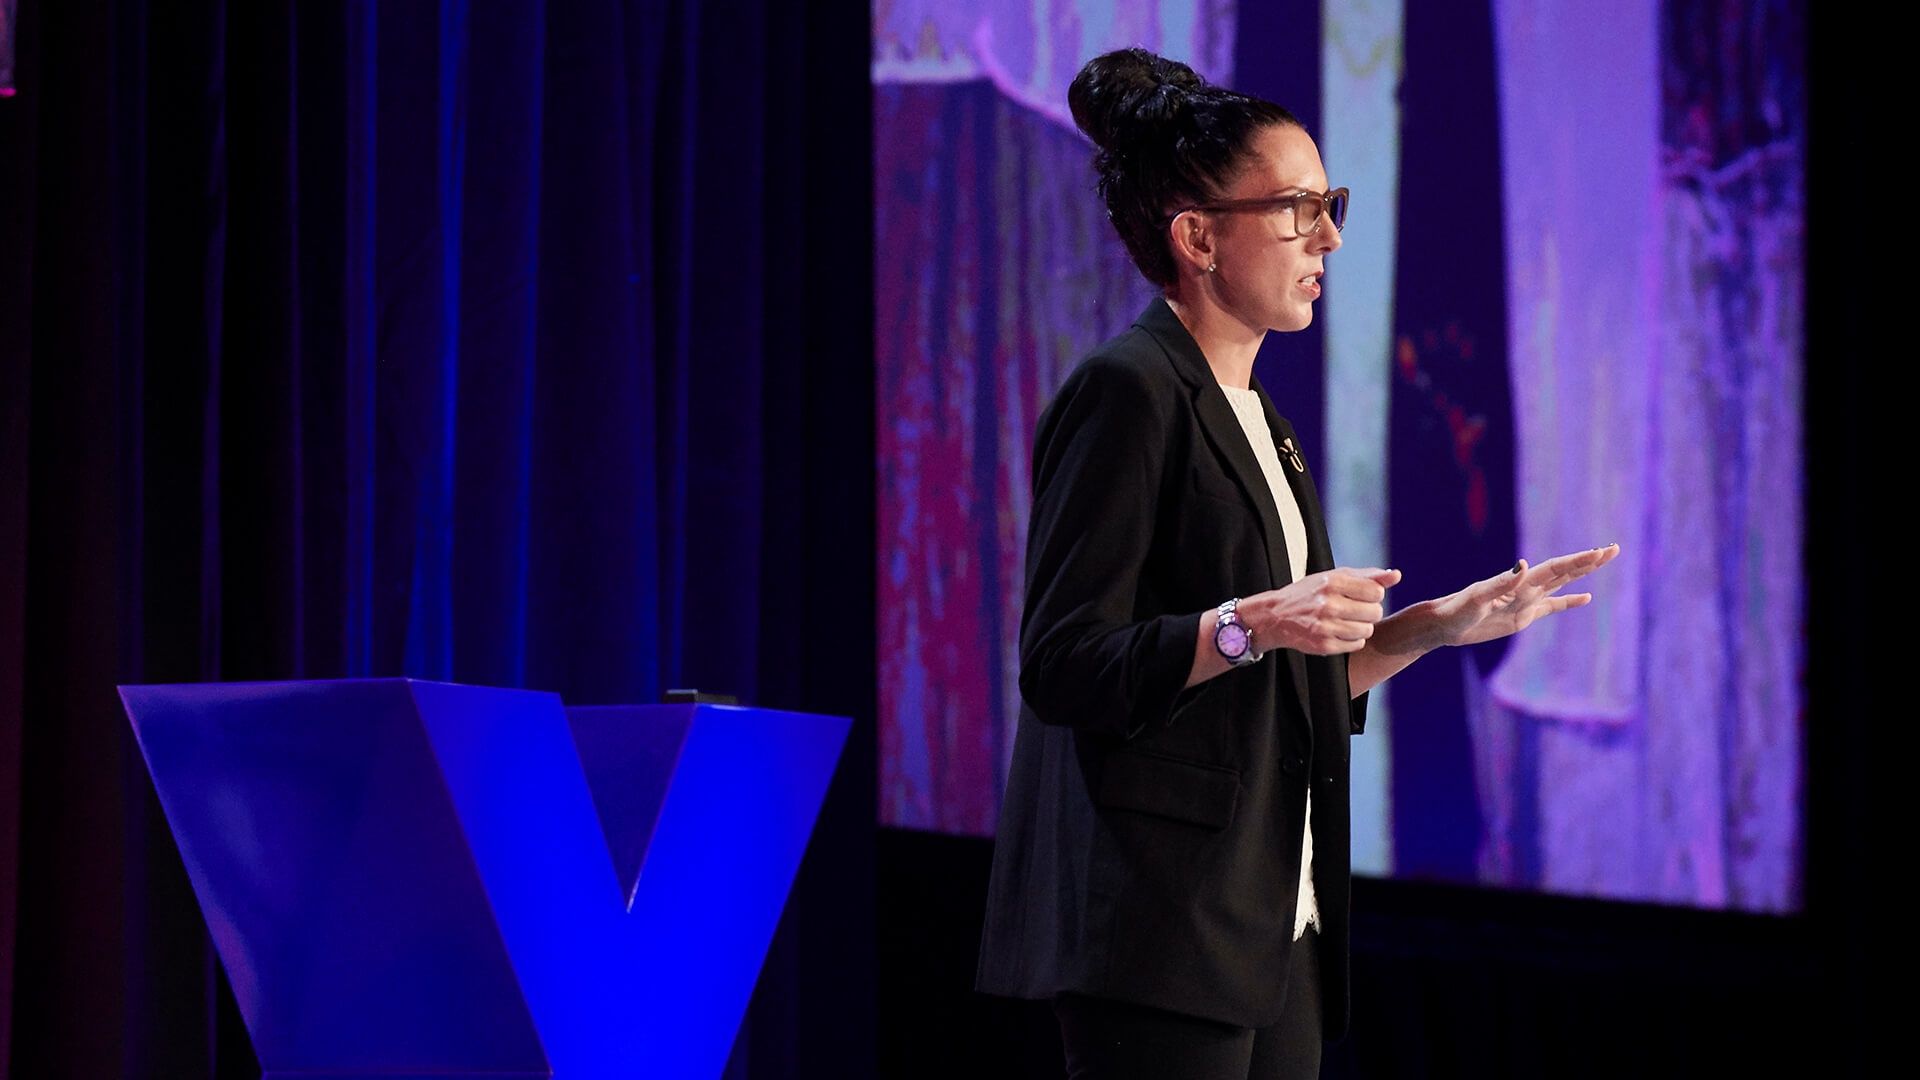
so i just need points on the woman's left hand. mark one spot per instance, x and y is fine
(1508, 603)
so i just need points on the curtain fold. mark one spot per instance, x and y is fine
(1657, 390)
(421, 340)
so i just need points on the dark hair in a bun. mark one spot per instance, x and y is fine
(1166, 137)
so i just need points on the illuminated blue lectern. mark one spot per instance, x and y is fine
(408, 879)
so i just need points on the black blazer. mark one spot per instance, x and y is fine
(1149, 841)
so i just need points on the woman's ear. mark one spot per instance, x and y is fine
(1191, 236)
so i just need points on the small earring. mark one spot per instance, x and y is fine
(1211, 267)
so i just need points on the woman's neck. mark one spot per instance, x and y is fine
(1228, 344)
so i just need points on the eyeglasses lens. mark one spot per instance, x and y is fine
(1307, 211)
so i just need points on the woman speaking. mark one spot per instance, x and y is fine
(1171, 865)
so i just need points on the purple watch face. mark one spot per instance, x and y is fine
(1231, 640)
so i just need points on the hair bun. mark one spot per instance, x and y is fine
(1166, 137)
(1121, 96)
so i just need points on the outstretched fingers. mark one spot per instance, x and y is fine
(1557, 571)
(1557, 604)
(1511, 600)
(1545, 580)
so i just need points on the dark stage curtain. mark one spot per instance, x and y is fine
(497, 342)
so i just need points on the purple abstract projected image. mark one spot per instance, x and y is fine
(1649, 217)
(975, 329)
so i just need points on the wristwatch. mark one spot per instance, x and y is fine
(1233, 638)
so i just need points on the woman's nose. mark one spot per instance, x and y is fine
(1327, 237)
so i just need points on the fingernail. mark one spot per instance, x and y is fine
(1516, 566)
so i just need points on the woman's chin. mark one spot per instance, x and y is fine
(1298, 319)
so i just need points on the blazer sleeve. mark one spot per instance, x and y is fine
(1088, 658)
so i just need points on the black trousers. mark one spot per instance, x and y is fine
(1116, 1040)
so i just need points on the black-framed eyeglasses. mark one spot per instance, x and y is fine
(1309, 208)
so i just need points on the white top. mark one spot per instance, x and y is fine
(1253, 420)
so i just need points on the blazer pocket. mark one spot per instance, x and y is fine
(1186, 791)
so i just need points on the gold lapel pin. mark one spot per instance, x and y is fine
(1293, 456)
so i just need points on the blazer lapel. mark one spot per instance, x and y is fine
(1300, 482)
(1319, 548)
(1222, 429)
(1229, 440)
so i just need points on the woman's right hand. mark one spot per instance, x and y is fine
(1323, 614)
